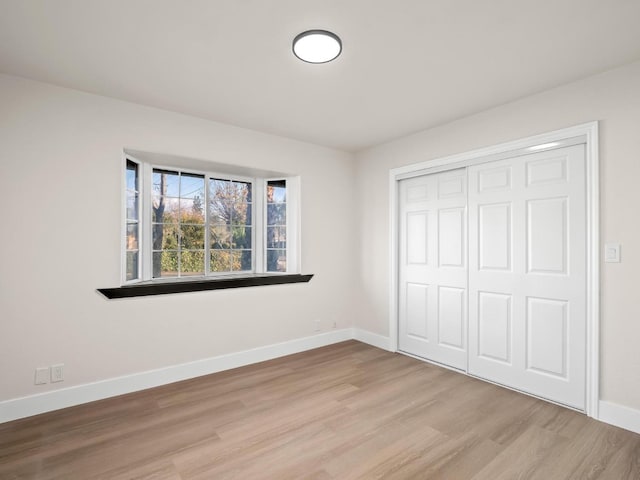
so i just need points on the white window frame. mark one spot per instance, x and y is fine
(123, 233)
(259, 227)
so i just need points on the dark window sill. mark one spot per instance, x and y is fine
(168, 287)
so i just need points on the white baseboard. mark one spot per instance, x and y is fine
(373, 339)
(67, 397)
(619, 415)
(612, 413)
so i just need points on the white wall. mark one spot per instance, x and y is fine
(61, 167)
(613, 98)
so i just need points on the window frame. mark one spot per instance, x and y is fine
(236, 178)
(259, 224)
(292, 232)
(124, 223)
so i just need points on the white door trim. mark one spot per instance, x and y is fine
(585, 133)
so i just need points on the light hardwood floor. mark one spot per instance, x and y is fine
(345, 411)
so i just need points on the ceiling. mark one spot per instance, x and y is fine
(406, 65)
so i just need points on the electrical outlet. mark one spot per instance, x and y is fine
(317, 325)
(57, 373)
(612, 253)
(42, 375)
(335, 324)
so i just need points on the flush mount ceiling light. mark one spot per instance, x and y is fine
(317, 46)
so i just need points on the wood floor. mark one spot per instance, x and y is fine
(345, 411)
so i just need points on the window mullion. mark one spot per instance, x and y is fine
(259, 244)
(146, 200)
(293, 224)
(207, 227)
(179, 221)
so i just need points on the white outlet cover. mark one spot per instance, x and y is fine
(612, 253)
(57, 373)
(42, 375)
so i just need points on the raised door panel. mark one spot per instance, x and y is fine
(416, 193)
(451, 238)
(493, 178)
(494, 326)
(494, 230)
(416, 237)
(548, 170)
(547, 336)
(451, 317)
(547, 225)
(417, 309)
(451, 186)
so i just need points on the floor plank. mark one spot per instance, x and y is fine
(347, 411)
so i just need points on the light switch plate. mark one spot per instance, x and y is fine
(612, 253)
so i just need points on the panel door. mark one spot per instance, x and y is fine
(527, 273)
(433, 268)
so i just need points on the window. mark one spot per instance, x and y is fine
(132, 222)
(178, 224)
(230, 213)
(277, 226)
(182, 223)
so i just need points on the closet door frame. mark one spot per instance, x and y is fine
(580, 134)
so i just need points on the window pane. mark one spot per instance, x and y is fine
(276, 237)
(191, 211)
(165, 264)
(219, 212)
(220, 261)
(132, 236)
(191, 262)
(240, 260)
(192, 237)
(166, 183)
(276, 260)
(241, 213)
(230, 202)
(276, 191)
(165, 209)
(219, 201)
(132, 176)
(191, 186)
(220, 236)
(165, 236)
(277, 214)
(243, 191)
(132, 265)
(132, 206)
(219, 188)
(241, 237)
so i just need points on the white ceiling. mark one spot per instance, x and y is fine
(406, 65)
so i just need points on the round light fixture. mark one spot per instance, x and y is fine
(317, 46)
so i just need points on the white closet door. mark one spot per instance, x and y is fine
(527, 273)
(433, 268)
